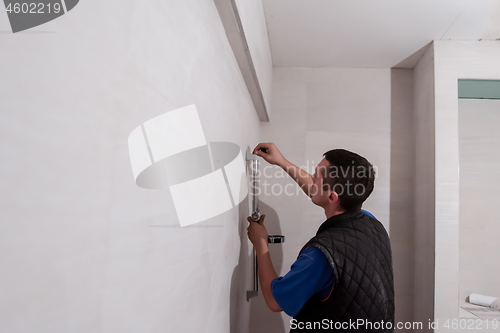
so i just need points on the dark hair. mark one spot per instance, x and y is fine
(349, 169)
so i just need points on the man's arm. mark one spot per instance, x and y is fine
(267, 273)
(309, 274)
(272, 155)
(257, 234)
(302, 177)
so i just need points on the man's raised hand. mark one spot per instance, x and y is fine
(269, 152)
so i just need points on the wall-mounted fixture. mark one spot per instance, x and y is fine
(255, 216)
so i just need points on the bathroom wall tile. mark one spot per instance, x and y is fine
(348, 100)
(423, 120)
(453, 60)
(479, 181)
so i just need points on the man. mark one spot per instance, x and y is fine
(342, 279)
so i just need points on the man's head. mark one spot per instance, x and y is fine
(343, 180)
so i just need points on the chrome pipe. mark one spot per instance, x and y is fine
(254, 168)
(255, 215)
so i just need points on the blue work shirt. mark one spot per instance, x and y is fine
(310, 276)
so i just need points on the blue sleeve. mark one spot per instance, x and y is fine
(309, 274)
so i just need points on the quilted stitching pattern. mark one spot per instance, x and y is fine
(358, 249)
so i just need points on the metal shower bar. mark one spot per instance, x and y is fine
(272, 239)
(255, 216)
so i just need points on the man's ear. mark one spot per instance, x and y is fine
(333, 197)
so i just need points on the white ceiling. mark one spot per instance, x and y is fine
(371, 33)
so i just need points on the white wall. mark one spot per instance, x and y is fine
(402, 195)
(315, 110)
(436, 197)
(453, 60)
(423, 122)
(479, 140)
(83, 249)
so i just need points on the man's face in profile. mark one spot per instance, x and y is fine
(319, 196)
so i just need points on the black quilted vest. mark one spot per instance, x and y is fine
(358, 248)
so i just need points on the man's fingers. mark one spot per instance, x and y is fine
(260, 145)
(264, 145)
(256, 149)
(260, 221)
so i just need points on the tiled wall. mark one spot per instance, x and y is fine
(83, 249)
(315, 110)
(402, 202)
(453, 60)
(479, 140)
(423, 122)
